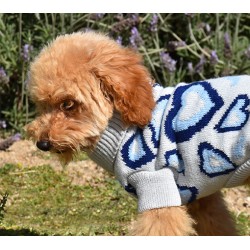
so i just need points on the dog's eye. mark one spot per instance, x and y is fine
(67, 105)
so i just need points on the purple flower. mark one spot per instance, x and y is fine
(3, 76)
(119, 16)
(119, 40)
(16, 137)
(168, 62)
(247, 52)
(135, 38)
(153, 23)
(125, 22)
(190, 68)
(207, 28)
(227, 46)
(173, 45)
(3, 124)
(2, 72)
(5, 144)
(27, 49)
(134, 17)
(214, 58)
(97, 16)
(199, 66)
(227, 40)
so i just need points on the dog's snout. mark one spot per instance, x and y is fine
(44, 145)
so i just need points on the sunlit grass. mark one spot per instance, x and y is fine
(43, 202)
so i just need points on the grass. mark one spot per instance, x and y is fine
(43, 202)
(243, 223)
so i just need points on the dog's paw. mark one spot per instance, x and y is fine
(171, 221)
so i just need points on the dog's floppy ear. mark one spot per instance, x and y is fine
(128, 83)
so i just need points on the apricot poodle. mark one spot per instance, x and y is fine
(172, 148)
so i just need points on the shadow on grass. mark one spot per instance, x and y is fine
(19, 232)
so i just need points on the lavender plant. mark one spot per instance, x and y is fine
(213, 57)
(168, 62)
(154, 23)
(176, 47)
(135, 38)
(247, 53)
(4, 79)
(26, 51)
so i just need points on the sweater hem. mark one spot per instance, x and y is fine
(155, 189)
(240, 175)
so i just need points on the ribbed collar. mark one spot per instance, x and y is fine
(106, 149)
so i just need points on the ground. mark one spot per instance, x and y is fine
(24, 152)
(83, 171)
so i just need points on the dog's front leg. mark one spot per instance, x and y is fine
(169, 221)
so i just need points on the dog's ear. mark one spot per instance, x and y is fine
(128, 83)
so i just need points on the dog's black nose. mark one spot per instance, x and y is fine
(44, 145)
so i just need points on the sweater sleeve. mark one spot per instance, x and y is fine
(155, 189)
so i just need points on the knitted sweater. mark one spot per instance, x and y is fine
(197, 142)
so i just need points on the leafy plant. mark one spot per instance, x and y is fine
(175, 47)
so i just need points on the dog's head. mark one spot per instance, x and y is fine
(76, 82)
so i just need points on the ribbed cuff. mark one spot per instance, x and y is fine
(240, 175)
(155, 189)
(106, 149)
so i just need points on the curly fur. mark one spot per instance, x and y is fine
(96, 75)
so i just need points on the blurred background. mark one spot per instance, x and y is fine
(176, 47)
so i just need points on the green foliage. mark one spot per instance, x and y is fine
(2, 206)
(176, 47)
(243, 223)
(45, 202)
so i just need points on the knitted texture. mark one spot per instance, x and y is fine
(197, 142)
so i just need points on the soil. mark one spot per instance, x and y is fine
(82, 172)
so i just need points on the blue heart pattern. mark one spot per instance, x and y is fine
(130, 189)
(135, 151)
(174, 159)
(236, 115)
(239, 149)
(157, 115)
(193, 107)
(214, 162)
(188, 194)
(234, 80)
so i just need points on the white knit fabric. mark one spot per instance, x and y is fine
(106, 149)
(197, 142)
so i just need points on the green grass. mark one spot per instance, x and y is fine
(243, 223)
(43, 202)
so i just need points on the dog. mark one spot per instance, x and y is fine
(173, 148)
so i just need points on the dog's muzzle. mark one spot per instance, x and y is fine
(44, 145)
